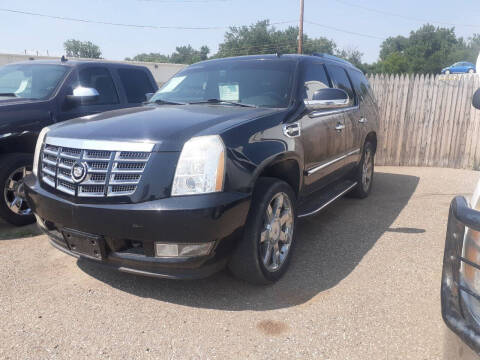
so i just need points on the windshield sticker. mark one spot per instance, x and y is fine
(172, 84)
(229, 92)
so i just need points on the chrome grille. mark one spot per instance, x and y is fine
(109, 173)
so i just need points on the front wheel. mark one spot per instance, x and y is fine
(13, 207)
(447, 72)
(264, 252)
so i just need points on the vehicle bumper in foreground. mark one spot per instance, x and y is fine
(124, 235)
(454, 313)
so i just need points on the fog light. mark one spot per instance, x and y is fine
(182, 250)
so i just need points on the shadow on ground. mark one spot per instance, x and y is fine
(10, 232)
(329, 247)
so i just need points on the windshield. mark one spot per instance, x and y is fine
(32, 81)
(264, 83)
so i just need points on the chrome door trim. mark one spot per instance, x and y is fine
(105, 145)
(329, 201)
(333, 112)
(331, 162)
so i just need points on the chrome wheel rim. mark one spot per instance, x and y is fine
(367, 171)
(14, 201)
(276, 236)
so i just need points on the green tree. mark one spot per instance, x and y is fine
(426, 50)
(82, 49)
(394, 63)
(188, 55)
(392, 45)
(353, 55)
(151, 57)
(262, 38)
(182, 55)
(429, 48)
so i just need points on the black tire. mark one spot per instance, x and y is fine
(447, 72)
(471, 71)
(10, 163)
(246, 262)
(362, 190)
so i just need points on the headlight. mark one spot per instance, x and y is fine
(201, 166)
(38, 147)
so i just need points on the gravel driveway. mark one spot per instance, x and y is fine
(364, 283)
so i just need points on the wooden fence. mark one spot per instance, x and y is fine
(428, 120)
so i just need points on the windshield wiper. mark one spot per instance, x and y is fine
(8, 94)
(218, 101)
(165, 102)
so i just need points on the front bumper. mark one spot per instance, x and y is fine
(454, 313)
(217, 218)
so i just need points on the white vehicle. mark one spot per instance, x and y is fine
(461, 275)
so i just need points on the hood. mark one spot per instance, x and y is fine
(18, 115)
(168, 126)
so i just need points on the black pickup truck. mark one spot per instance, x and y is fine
(36, 94)
(215, 170)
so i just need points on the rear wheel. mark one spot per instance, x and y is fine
(263, 255)
(471, 71)
(364, 172)
(13, 207)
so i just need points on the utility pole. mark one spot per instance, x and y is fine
(300, 29)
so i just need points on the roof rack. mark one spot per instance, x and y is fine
(334, 58)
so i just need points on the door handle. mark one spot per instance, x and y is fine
(363, 120)
(339, 127)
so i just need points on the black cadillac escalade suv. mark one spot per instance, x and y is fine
(214, 171)
(35, 94)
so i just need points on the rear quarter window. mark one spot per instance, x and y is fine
(136, 84)
(361, 86)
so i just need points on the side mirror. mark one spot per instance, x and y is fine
(148, 96)
(328, 98)
(476, 99)
(83, 95)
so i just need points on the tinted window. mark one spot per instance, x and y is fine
(30, 81)
(136, 84)
(314, 79)
(100, 79)
(265, 83)
(360, 83)
(340, 79)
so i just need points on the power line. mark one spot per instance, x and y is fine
(382, 12)
(184, 1)
(345, 31)
(153, 27)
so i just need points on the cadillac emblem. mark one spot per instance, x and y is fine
(79, 172)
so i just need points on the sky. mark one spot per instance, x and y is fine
(340, 19)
